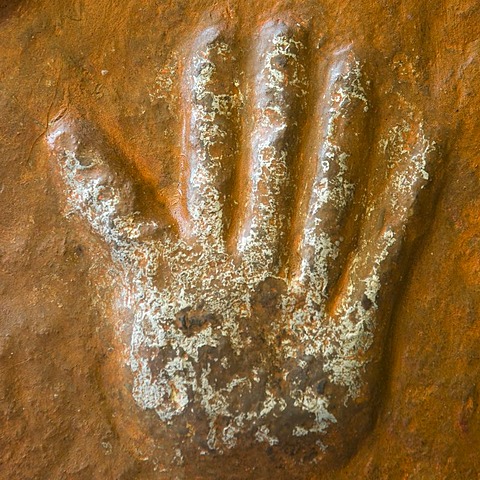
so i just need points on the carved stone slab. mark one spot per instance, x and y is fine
(239, 240)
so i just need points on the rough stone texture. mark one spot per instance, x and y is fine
(119, 67)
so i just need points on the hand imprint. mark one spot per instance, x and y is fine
(260, 312)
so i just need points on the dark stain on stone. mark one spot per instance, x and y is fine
(321, 386)
(366, 303)
(191, 321)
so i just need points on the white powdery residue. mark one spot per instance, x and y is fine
(168, 393)
(353, 86)
(192, 345)
(408, 160)
(229, 436)
(178, 458)
(354, 331)
(212, 436)
(270, 403)
(287, 47)
(130, 226)
(372, 283)
(216, 404)
(310, 401)
(332, 193)
(206, 212)
(165, 79)
(208, 110)
(304, 326)
(300, 432)
(213, 401)
(263, 435)
(93, 199)
(331, 189)
(270, 172)
(259, 246)
(314, 270)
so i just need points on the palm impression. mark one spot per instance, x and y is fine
(259, 310)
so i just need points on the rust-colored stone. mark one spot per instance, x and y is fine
(171, 173)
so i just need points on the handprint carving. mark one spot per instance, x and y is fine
(260, 306)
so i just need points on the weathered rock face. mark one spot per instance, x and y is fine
(239, 240)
